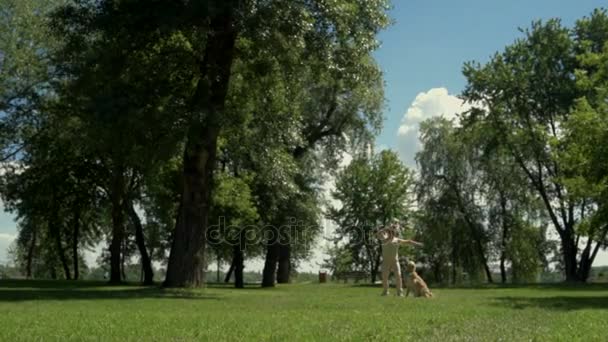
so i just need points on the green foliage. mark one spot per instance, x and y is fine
(339, 259)
(26, 73)
(449, 192)
(539, 95)
(233, 216)
(372, 192)
(522, 250)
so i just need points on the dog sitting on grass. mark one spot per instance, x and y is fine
(414, 283)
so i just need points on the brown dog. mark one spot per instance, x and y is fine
(414, 283)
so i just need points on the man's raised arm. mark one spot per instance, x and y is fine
(410, 242)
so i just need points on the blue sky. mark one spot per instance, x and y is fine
(422, 56)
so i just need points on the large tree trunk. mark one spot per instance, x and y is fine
(486, 268)
(30, 255)
(186, 261)
(75, 238)
(569, 251)
(146, 261)
(217, 271)
(376, 269)
(123, 259)
(53, 272)
(584, 268)
(503, 270)
(454, 257)
(62, 257)
(374, 262)
(230, 270)
(270, 265)
(284, 270)
(238, 260)
(503, 242)
(56, 231)
(454, 262)
(480, 249)
(118, 225)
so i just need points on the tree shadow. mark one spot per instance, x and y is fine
(565, 287)
(52, 284)
(17, 291)
(557, 303)
(230, 286)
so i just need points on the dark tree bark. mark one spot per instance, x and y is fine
(118, 225)
(454, 260)
(503, 270)
(53, 272)
(30, 254)
(569, 251)
(123, 256)
(238, 260)
(75, 238)
(505, 237)
(373, 260)
(376, 267)
(271, 263)
(284, 263)
(230, 270)
(146, 261)
(217, 271)
(186, 261)
(61, 254)
(454, 255)
(55, 230)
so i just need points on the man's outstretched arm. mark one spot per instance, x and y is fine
(410, 242)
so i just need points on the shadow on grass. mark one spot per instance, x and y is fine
(535, 286)
(558, 303)
(230, 286)
(26, 290)
(50, 284)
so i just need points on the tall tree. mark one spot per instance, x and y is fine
(372, 192)
(338, 100)
(110, 92)
(445, 168)
(527, 93)
(26, 48)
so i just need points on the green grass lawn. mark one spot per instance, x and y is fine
(62, 311)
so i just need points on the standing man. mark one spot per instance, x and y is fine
(390, 256)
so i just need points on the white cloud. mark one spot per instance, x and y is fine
(434, 102)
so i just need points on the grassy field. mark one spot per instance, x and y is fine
(63, 311)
